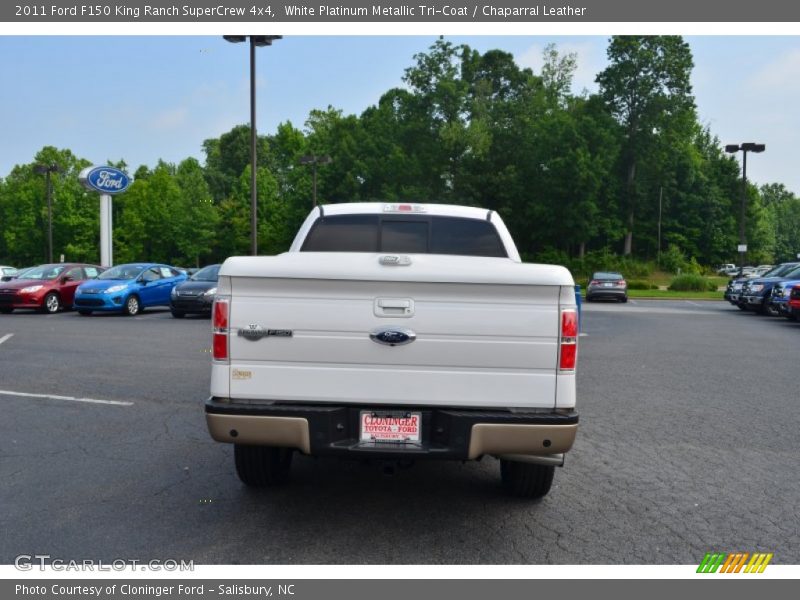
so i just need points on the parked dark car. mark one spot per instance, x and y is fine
(756, 293)
(196, 294)
(46, 288)
(607, 285)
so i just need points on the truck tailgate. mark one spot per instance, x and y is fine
(477, 344)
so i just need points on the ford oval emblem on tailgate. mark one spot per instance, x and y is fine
(393, 336)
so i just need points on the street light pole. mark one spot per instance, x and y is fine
(745, 148)
(255, 41)
(47, 169)
(311, 159)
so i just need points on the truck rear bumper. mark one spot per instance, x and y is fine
(458, 434)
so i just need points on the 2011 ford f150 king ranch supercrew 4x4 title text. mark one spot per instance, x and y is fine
(396, 332)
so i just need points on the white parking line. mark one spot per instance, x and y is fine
(67, 398)
(6, 337)
(693, 303)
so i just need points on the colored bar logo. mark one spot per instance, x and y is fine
(735, 562)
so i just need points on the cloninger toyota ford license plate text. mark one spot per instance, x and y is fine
(390, 427)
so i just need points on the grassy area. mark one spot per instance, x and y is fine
(663, 279)
(666, 294)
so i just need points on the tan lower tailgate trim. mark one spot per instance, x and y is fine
(498, 438)
(287, 432)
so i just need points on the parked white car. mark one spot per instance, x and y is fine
(7, 273)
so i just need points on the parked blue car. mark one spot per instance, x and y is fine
(128, 289)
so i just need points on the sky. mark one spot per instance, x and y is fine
(145, 98)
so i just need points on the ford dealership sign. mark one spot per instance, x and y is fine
(106, 180)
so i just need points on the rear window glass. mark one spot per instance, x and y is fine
(466, 237)
(343, 233)
(607, 276)
(413, 235)
(404, 236)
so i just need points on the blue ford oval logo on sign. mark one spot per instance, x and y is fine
(393, 336)
(106, 180)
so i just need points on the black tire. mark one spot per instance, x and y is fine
(525, 480)
(771, 310)
(132, 306)
(791, 316)
(83, 312)
(741, 306)
(6, 311)
(262, 466)
(51, 304)
(623, 299)
(178, 314)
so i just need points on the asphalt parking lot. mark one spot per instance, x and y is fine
(688, 443)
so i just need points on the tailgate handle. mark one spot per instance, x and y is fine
(394, 307)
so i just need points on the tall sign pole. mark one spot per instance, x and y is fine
(106, 227)
(107, 181)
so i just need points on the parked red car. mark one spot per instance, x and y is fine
(794, 303)
(47, 288)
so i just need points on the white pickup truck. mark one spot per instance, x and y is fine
(396, 332)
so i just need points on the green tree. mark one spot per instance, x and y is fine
(196, 215)
(647, 88)
(23, 212)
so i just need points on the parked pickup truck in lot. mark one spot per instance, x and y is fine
(396, 332)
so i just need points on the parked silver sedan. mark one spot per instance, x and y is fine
(607, 285)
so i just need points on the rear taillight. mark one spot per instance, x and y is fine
(568, 341)
(594, 282)
(622, 283)
(219, 346)
(220, 321)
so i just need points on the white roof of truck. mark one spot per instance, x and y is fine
(442, 210)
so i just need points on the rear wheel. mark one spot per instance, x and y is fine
(132, 306)
(262, 466)
(6, 311)
(525, 480)
(178, 314)
(623, 299)
(741, 306)
(51, 303)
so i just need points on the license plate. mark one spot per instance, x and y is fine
(383, 426)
